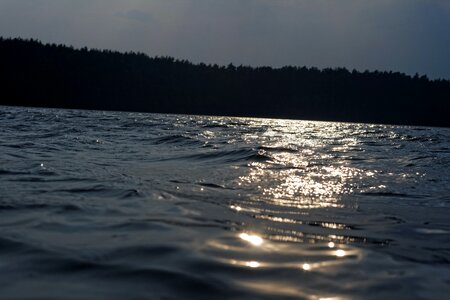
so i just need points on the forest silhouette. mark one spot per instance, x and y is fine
(48, 75)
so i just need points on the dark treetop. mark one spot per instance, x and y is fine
(34, 74)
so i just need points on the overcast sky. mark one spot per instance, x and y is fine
(401, 35)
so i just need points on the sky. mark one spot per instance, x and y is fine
(401, 35)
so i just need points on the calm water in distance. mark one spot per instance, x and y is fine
(113, 205)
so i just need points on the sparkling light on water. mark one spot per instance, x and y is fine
(340, 253)
(253, 264)
(252, 239)
(309, 179)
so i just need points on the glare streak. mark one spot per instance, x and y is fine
(252, 239)
(253, 264)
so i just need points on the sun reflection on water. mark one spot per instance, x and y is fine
(340, 253)
(253, 264)
(293, 214)
(255, 240)
(302, 170)
(236, 208)
(302, 187)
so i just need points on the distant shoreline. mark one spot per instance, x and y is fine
(57, 76)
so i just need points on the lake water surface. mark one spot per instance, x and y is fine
(114, 205)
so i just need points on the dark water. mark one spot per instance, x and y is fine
(110, 205)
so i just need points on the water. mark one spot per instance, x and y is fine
(119, 205)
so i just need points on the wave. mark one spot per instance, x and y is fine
(180, 140)
(230, 156)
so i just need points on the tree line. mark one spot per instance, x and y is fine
(50, 75)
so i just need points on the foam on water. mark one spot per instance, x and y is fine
(128, 205)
